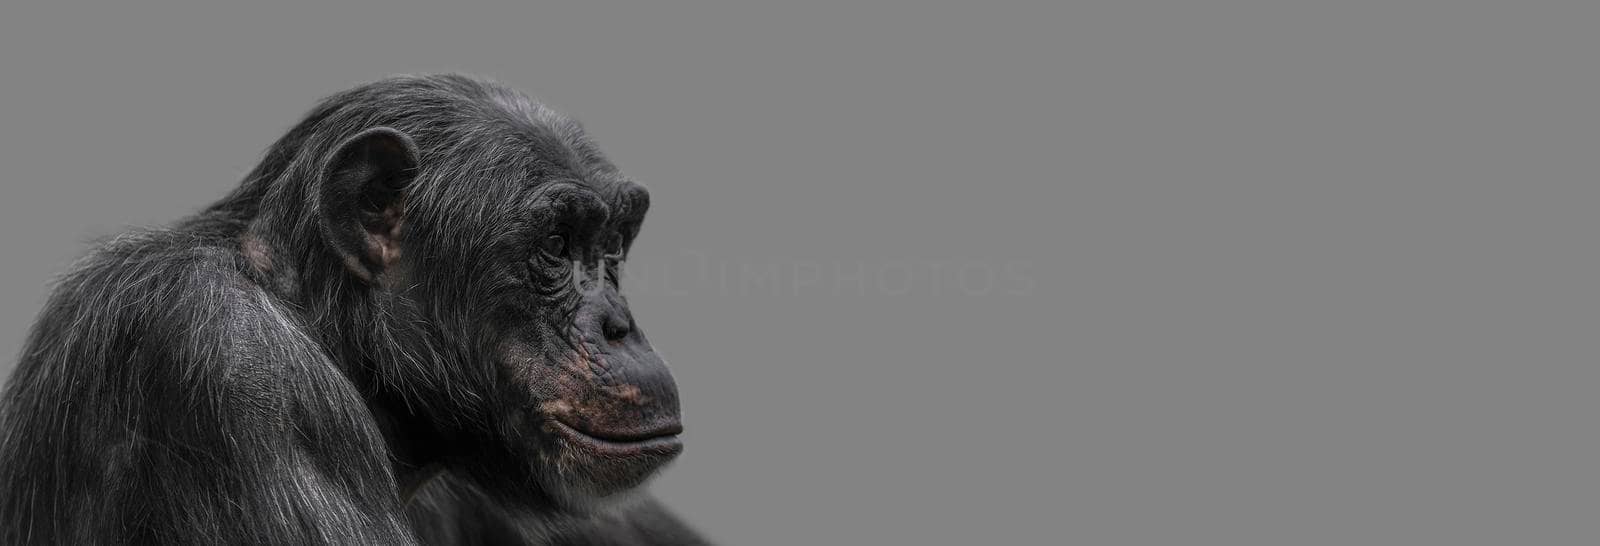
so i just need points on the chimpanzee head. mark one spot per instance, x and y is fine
(459, 253)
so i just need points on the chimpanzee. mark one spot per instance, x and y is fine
(403, 327)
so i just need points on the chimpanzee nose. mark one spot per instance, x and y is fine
(616, 325)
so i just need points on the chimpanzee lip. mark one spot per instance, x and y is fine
(663, 441)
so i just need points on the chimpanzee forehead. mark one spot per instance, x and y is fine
(559, 149)
(469, 125)
(548, 157)
(628, 201)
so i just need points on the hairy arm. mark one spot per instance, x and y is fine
(162, 399)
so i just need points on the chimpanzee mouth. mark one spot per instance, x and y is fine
(660, 442)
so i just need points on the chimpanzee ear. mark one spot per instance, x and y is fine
(363, 198)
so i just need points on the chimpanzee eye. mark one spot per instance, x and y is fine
(555, 246)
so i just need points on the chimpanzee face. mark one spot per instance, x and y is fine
(506, 285)
(592, 402)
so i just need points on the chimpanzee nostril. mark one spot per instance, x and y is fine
(616, 326)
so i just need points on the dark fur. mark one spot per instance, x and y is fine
(228, 380)
(451, 511)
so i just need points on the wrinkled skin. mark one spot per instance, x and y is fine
(414, 295)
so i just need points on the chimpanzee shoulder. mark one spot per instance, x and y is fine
(176, 403)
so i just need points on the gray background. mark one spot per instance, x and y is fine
(1126, 272)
